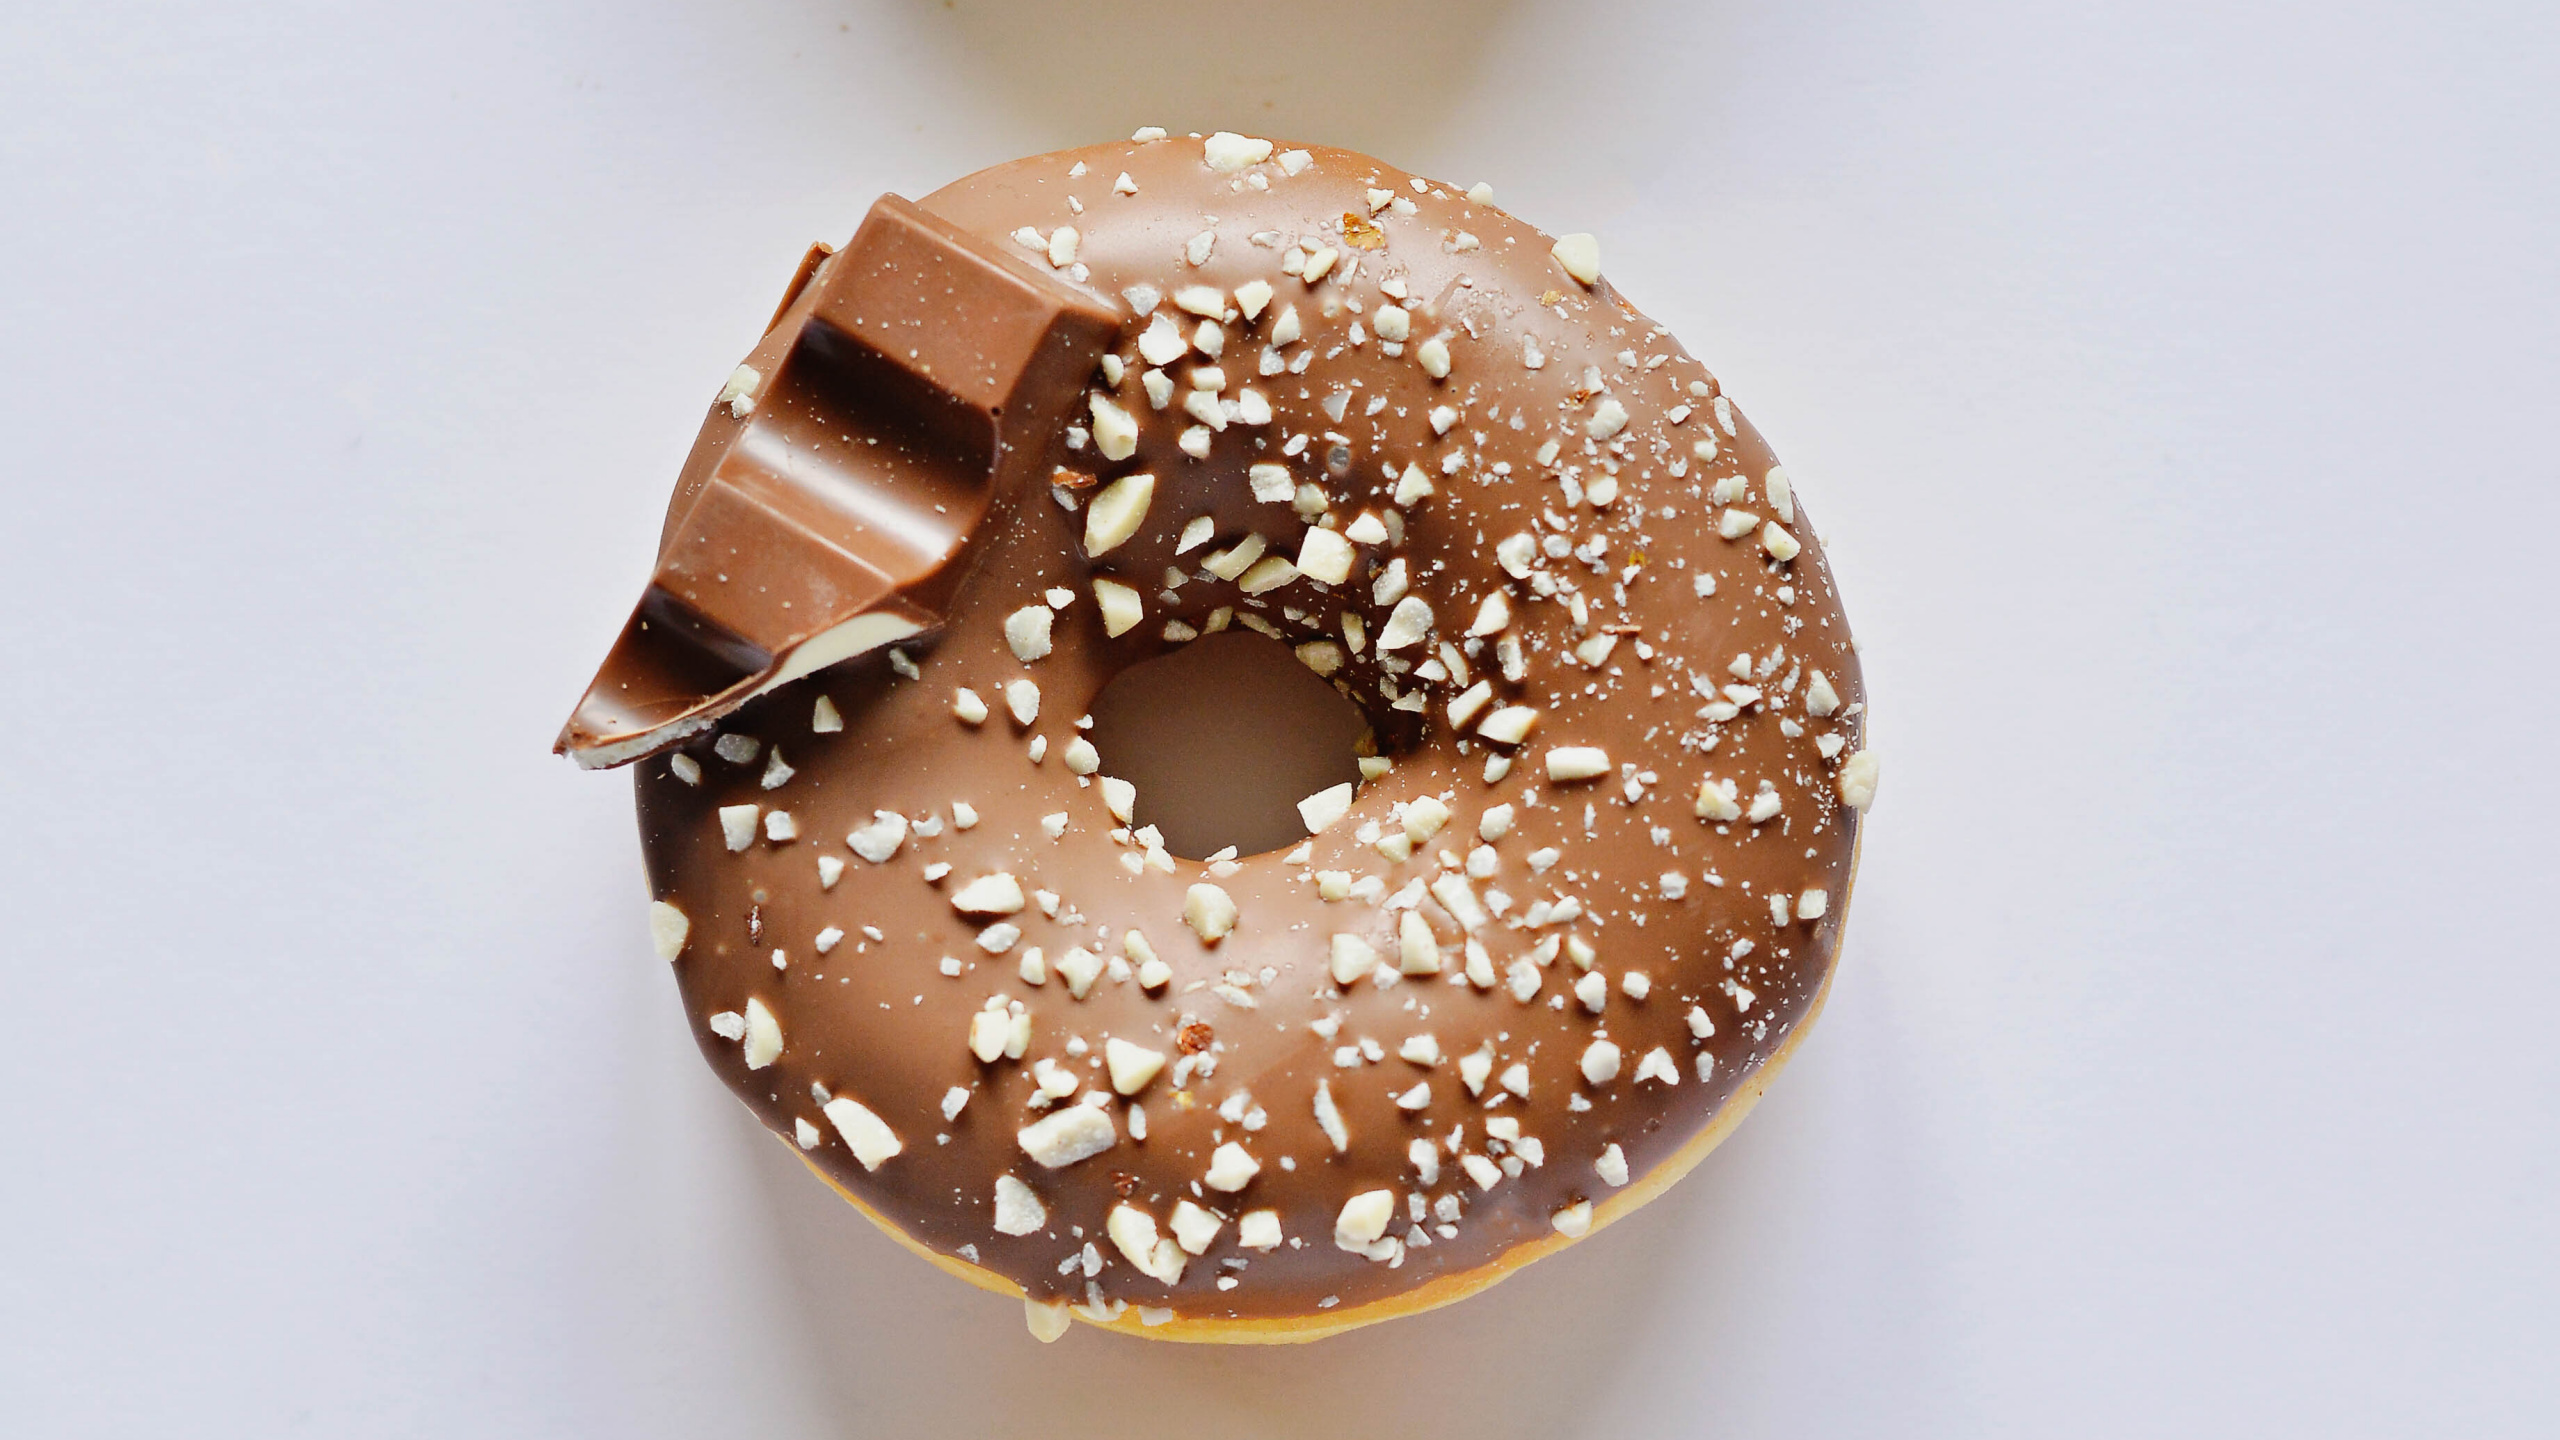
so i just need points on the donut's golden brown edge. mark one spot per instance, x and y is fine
(1448, 1289)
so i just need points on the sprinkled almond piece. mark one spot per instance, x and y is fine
(867, 1135)
(1858, 780)
(1228, 152)
(1209, 911)
(763, 1039)
(1049, 1319)
(1018, 1208)
(1600, 1062)
(1078, 1132)
(1577, 762)
(1133, 1231)
(668, 928)
(1579, 254)
(1115, 433)
(1121, 605)
(1131, 1066)
(1353, 957)
(1117, 512)
(1231, 1168)
(996, 894)
(1417, 949)
(1325, 555)
(1363, 1219)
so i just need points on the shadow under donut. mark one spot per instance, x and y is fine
(1384, 76)
(896, 1347)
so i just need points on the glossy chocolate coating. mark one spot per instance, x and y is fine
(875, 432)
(878, 1020)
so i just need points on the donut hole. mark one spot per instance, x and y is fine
(1222, 739)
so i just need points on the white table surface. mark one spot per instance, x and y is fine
(2175, 383)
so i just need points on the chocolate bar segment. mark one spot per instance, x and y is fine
(916, 379)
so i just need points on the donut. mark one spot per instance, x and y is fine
(1578, 899)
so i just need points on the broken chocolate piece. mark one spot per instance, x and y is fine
(916, 380)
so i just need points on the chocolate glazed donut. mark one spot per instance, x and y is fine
(1585, 898)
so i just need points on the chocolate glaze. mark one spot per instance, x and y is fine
(875, 1019)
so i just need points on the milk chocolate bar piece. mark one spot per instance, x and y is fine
(917, 379)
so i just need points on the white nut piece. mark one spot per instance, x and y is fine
(1117, 512)
(1133, 1231)
(1231, 1168)
(758, 1033)
(1579, 254)
(1353, 957)
(1026, 632)
(1577, 762)
(1259, 1230)
(1018, 1208)
(1417, 949)
(1363, 1219)
(1209, 911)
(1132, 1067)
(668, 927)
(1600, 1062)
(866, 1134)
(1228, 152)
(1121, 605)
(1325, 555)
(1325, 807)
(1406, 625)
(994, 894)
(1115, 433)
(1078, 1132)
(1858, 781)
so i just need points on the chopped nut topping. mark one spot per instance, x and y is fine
(1134, 1231)
(1131, 1066)
(668, 928)
(871, 1140)
(995, 894)
(1078, 1132)
(1329, 1118)
(1209, 911)
(1363, 1219)
(1018, 1208)
(1325, 555)
(1858, 781)
(1509, 725)
(1579, 254)
(1577, 762)
(738, 826)
(1418, 950)
(1574, 1221)
(1194, 1228)
(1117, 512)
(1353, 957)
(1600, 1062)
(764, 1036)
(1259, 1230)
(1231, 1168)
(880, 839)
(1228, 152)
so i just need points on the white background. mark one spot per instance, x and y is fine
(2176, 382)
